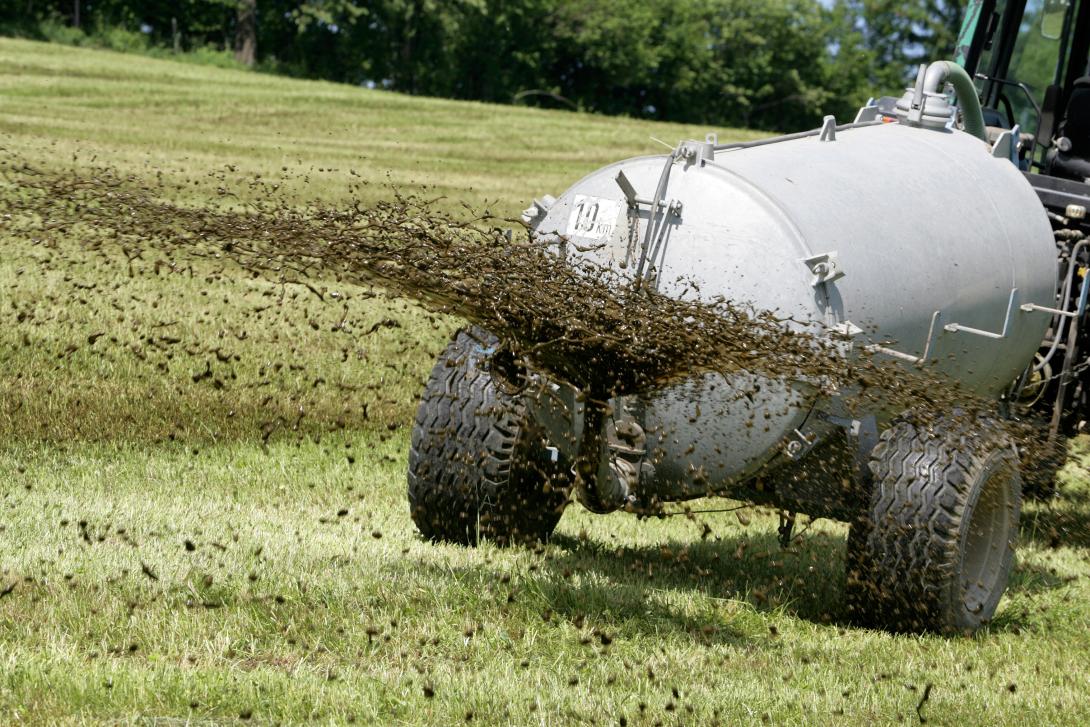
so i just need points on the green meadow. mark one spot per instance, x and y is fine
(203, 516)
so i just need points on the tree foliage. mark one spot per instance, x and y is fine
(901, 35)
(774, 64)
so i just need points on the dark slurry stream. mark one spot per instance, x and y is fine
(575, 321)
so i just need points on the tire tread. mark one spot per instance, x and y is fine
(471, 470)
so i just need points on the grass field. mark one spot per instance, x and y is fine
(178, 548)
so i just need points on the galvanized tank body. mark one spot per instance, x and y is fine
(930, 233)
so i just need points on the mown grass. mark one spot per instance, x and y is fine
(165, 555)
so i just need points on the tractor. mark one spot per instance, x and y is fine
(945, 228)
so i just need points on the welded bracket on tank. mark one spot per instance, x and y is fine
(956, 327)
(634, 200)
(1030, 307)
(1006, 146)
(868, 113)
(824, 267)
(828, 129)
(874, 348)
(865, 430)
(799, 443)
(536, 212)
(863, 435)
(694, 151)
(607, 447)
(849, 328)
(557, 410)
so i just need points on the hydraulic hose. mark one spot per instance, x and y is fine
(1061, 323)
(941, 72)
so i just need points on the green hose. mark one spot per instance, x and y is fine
(965, 90)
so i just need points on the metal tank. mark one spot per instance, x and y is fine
(904, 233)
(913, 237)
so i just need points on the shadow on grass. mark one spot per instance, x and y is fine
(1061, 521)
(805, 580)
(1033, 579)
(651, 587)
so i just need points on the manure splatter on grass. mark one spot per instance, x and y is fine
(579, 322)
(281, 608)
(569, 319)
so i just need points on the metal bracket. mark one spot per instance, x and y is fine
(907, 356)
(863, 433)
(634, 200)
(1003, 145)
(848, 328)
(786, 528)
(828, 129)
(693, 151)
(799, 444)
(1006, 146)
(955, 327)
(1030, 307)
(824, 267)
(539, 208)
(915, 114)
(865, 427)
(867, 113)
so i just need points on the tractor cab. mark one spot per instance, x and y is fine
(1030, 61)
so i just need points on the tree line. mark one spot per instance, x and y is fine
(768, 64)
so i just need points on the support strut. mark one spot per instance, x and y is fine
(604, 482)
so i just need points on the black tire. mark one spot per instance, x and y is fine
(936, 549)
(477, 467)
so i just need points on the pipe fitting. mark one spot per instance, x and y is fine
(925, 104)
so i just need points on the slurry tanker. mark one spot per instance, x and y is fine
(944, 230)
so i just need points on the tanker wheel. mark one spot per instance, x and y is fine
(477, 467)
(936, 549)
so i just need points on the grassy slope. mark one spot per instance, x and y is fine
(286, 611)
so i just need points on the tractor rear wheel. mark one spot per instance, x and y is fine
(936, 549)
(478, 467)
